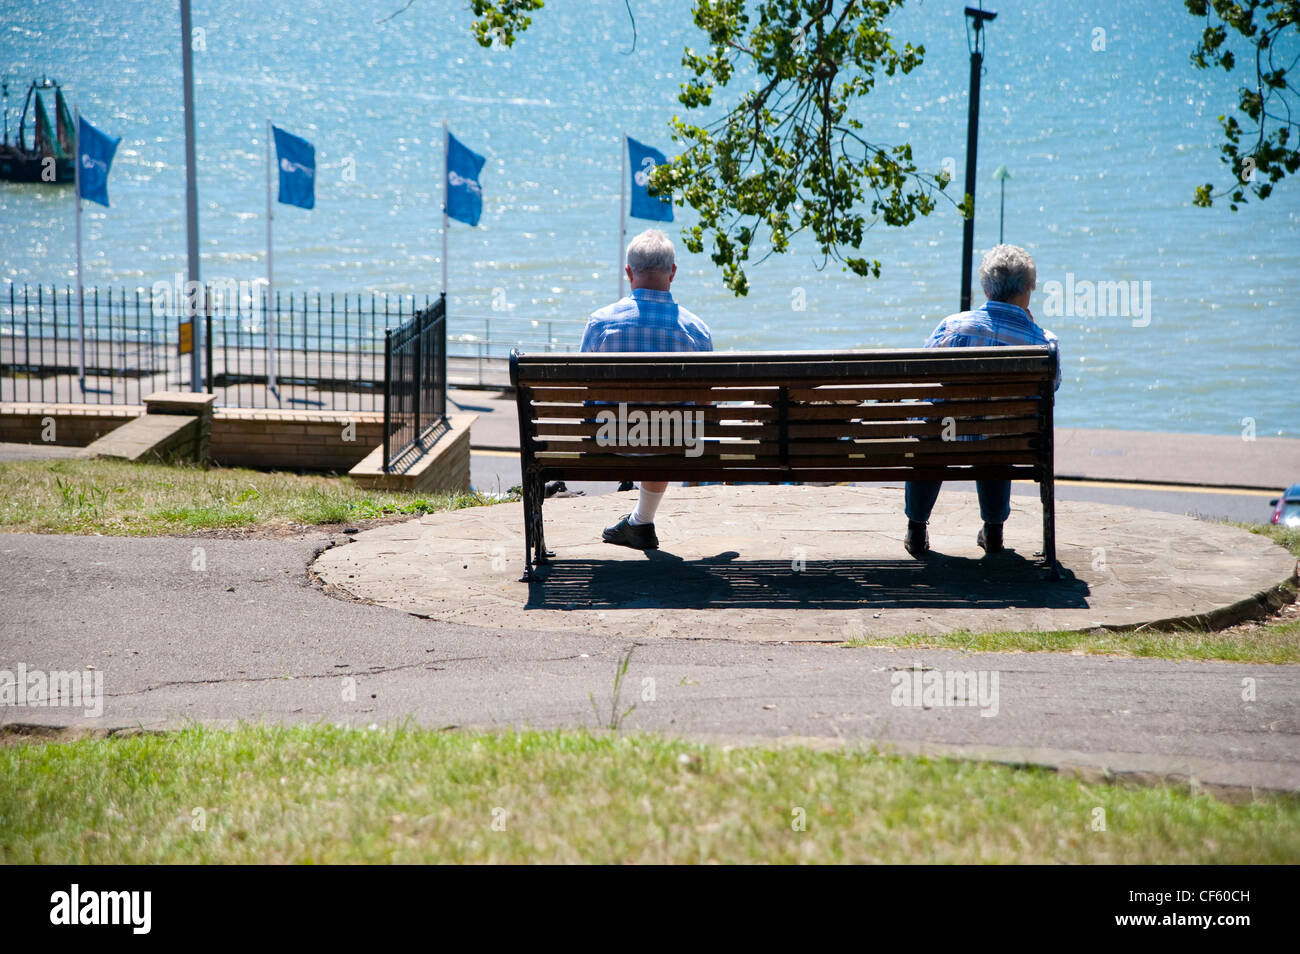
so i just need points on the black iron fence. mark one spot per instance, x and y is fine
(305, 351)
(415, 388)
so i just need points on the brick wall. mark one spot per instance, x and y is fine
(266, 439)
(308, 440)
(75, 425)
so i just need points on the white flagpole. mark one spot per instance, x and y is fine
(270, 275)
(81, 305)
(446, 145)
(622, 210)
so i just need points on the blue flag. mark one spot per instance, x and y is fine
(297, 161)
(644, 159)
(95, 158)
(464, 194)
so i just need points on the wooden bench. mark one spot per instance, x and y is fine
(773, 417)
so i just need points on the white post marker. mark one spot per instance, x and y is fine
(446, 197)
(81, 305)
(622, 209)
(267, 315)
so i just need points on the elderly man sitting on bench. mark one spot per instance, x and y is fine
(646, 320)
(1008, 276)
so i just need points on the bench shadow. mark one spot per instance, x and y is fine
(657, 579)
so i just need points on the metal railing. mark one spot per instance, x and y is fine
(415, 383)
(326, 350)
(328, 347)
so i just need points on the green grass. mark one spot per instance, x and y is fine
(1275, 644)
(321, 794)
(123, 498)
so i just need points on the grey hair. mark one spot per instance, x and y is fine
(1006, 272)
(651, 251)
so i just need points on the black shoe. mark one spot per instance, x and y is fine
(917, 541)
(641, 537)
(626, 485)
(990, 538)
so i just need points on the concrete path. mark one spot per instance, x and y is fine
(248, 636)
(12, 451)
(806, 564)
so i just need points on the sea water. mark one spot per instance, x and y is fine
(1096, 111)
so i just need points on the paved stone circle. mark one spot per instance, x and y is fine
(804, 563)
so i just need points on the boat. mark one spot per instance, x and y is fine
(50, 157)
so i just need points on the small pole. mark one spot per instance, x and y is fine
(446, 197)
(207, 335)
(1002, 210)
(622, 209)
(81, 306)
(268, 319)
(1002, 175)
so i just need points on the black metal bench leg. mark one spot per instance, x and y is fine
(530, 508)
(532, 512)
(535, 552)
(1047, 492)
(539, 531)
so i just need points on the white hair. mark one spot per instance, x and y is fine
(1007, 272)
(651, 251)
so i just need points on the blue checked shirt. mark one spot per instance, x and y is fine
(647, 320)
(993, 324)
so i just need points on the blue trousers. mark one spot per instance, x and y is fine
(994, 495)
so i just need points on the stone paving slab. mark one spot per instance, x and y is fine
(805, 564)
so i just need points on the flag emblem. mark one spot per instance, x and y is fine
(96, 151)
(297, 169)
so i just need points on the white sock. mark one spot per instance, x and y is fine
(646, 505)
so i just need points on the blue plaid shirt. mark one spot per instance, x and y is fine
(647, 320)
(992, 325)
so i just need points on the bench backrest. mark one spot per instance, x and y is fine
(766, 416)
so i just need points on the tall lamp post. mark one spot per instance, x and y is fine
(1002, 175)
(976, 18)
(191, 201)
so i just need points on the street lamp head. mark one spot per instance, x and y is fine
(1001, 173)
(979, 15)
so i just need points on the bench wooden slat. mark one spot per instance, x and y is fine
(1018, 425)
(768, 449)
(898, 412)
(651, 464)
(590, 429)
(887, 446)
(711, 412)
(721, 367)
(668, 393)
(1020, 385)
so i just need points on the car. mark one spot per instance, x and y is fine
(1286, 509)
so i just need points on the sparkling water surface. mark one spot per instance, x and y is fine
(1105, 148)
